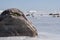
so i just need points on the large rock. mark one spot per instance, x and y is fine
(14, 23)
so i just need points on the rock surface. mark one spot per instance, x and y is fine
(14, 23)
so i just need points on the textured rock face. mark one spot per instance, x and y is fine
(14, 23)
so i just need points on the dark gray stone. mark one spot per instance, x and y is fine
(14, 23)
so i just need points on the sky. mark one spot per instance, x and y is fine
(30, 4)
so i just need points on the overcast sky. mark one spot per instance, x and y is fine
(30, 4)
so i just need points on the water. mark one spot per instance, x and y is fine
(48, 29)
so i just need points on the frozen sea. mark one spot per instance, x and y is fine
(48, 28)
